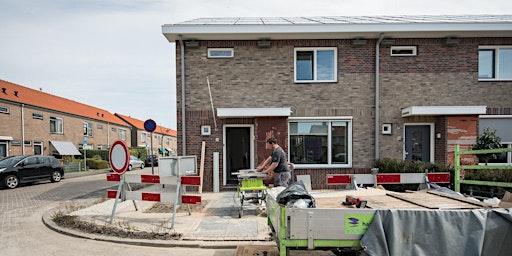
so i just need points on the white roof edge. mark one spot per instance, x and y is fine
(443, 110)
(253, 112)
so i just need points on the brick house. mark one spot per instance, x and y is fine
(335, 106)
(164, 139)
(35, 122)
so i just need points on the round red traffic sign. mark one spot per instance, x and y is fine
(119, 156)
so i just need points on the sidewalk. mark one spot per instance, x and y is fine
(217, 225)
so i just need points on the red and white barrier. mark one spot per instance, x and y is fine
(156, 179)
(387, 178)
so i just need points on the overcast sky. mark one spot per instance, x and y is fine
(111, 54)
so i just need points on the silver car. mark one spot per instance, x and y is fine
(135, 162)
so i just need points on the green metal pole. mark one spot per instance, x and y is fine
(457, 167)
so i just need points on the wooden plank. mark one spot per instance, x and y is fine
(201, 168)
(412, 201)
(461, 199)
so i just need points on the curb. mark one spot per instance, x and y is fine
(48, 222)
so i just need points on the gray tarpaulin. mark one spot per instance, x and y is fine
(438, 232)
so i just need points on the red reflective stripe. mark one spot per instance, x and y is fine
(439, 177)
(334, 179)
(191, 180)
(388, 178)
(112, 194)
(151, 197)
(113, 177)
(190, 199)
(150, 179)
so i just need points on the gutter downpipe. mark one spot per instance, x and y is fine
(22, 129)
(377, 98)
(182, 57)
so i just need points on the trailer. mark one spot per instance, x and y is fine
(408, 223)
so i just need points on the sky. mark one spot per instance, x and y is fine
(111, 54)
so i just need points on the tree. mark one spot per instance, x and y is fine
(487, 140)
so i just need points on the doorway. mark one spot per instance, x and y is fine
(419, 143)
(238, 151)
(3, 149)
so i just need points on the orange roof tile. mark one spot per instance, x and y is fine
(140, 125)
(21, 94)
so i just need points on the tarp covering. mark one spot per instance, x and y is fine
(438, 232)
(65, 148)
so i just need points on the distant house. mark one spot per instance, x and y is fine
(35, 122)
(340, 92)
(164, 139)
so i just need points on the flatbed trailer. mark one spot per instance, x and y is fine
(332, 225)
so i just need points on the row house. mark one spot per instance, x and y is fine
(339, 93)
(35, 122)
(164, 139)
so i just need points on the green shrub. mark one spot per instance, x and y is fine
(97, 164)
(389, 165)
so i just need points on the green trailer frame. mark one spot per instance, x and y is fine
(316, 228)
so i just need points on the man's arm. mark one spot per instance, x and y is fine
(262, 165)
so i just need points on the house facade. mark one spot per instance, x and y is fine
(35, 122)
(164, 139)
(339, 93)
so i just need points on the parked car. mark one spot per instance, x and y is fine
(29, 168)
(135, 163)
(155, 160)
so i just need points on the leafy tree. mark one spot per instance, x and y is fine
(487, 140)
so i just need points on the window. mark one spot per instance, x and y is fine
(167, 141)
(315, 65)
(27, 143)
(56, 125)
(37, 116)
(160, 138)
(221, 53)
(143, 137)
(321, 142)
(502, 126)
(114, 129)
(495, 63)
(88, 129)
(99, 126)
(122, 134)
(4, 110)
(404, 51)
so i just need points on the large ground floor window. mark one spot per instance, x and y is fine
(502, 126)
(320, 142)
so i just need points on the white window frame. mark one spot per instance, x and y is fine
(230, 51)
(348, 119)
(143, 137)
(59, 124)
(88, 129)
(4, 110)
(496, 49)
(413, 49)
(122, 134)
(315, 61)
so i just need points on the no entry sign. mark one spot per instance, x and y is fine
(119, 156)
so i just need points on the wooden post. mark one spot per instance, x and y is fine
(201, 167)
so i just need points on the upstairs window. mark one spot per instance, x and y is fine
(404, 50)
(122, 134)
(315, 65)
(37, 116)
(88, 129)
(495, 63)
(56, 125)
(221, 53)
(143, 137)
(4, 110)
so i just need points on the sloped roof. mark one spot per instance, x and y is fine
(20, 94)
(333, 27)
(139, 124)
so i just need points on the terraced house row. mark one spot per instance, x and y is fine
(35, 122)
(340, 93)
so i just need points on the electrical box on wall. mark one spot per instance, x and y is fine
(206, 130)
(386, 128)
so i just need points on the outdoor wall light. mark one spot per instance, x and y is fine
(451, 41)
(359, 41)
(192, 44)
(264, 43)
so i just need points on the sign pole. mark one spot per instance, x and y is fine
(150, 126)
(152, 161)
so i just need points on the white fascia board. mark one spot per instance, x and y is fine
(443, 110)
(212, 32)
(253, 112)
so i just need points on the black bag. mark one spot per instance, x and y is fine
(296, 196)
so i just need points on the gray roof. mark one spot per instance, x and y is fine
(331, 27)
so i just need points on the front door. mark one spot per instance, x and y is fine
(238, 152)
(418, 143)
(3, 149)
